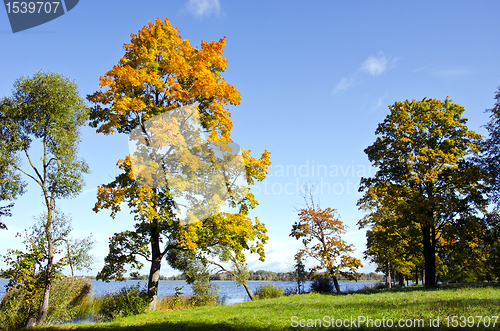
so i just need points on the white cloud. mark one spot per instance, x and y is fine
(89, 191)
(453, 73)
(376, 65)
(373, 65)
(201, 8)
(379, 102)
(420, 69)
(344, 84)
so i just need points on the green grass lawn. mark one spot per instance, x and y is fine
(411, 305)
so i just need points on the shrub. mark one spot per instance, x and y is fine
(290, 291)
(205, 293)
(128, 301)
(174, 302)
(322, 285)
(66, 294)
(268, 291)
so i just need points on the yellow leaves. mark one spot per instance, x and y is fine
(256, 168)
(158, 73)
(158, 69)
(323, 228)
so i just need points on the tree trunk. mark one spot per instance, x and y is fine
(31, 322)
(245, 285)
(154, 271)
(44, 307)
(42, 313)
(416, 275)
(388, 280)
(401, 279)
(336, 283)
(429, 256)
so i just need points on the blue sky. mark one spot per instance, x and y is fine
(315, 79)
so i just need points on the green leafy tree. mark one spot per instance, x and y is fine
(77, 252)
(206, 264)
(11, 184)
(320, 231)
(27, 268)
(491, 241)
(237, 266)
(300, 272)
(197, 272)
(160, 73)
(424, 152)
(48, 109)
(490, 159)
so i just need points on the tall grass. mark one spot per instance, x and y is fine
(89, 308)
(268, 291)
(112, 305)
(66, 296)
(125, 302)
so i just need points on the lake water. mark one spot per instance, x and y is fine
(229, 290)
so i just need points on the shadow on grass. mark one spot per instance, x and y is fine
(420, 288)
(370, 307)
(187, 326)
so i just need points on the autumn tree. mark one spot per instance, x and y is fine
(423, 151)
(48, 109)
(159, 75)
(468, 256)
(320, 231)
(461, 248)
(393, 241)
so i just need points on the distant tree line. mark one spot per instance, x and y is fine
(262, 275)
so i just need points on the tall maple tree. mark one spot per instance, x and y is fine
(161, 72)
(424, 152)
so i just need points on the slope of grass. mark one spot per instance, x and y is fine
(410, 304)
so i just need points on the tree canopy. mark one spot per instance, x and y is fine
(159, 73)
(491, 157)
(320, 231)
(424, 157)
(45, 108)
